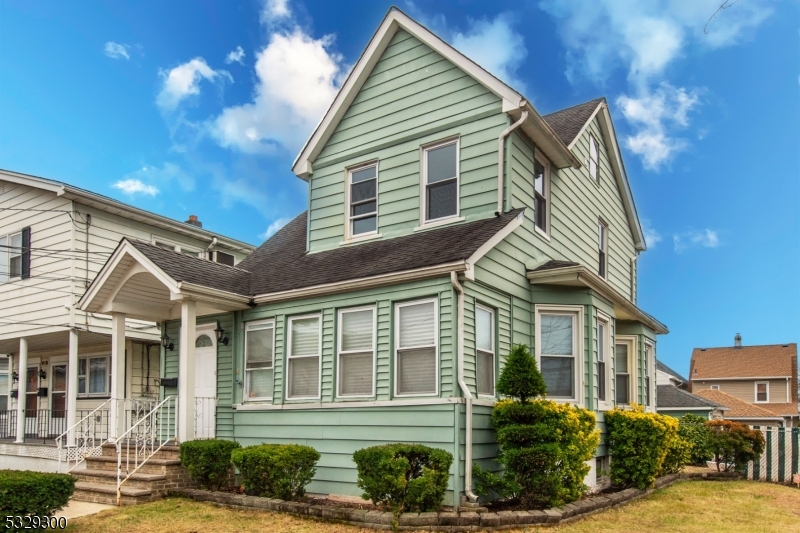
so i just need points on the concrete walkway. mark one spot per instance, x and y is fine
(74, 509)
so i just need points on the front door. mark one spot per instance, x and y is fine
(58, 399)
(205, 384)
(32, 402)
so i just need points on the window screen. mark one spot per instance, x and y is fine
(441, 181)
(416, 349)
(356, 352)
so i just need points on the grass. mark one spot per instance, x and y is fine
(686, 507)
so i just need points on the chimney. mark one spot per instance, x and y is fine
(737, 341)
(194, 222)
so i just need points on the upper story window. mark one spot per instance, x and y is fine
(602, 360)
(602, 249)
(356, 365)
(484, 348)
(416, 361)
(440, 178)
(10, 256)
(303, 359)
(363, 200)
(762, 391)
(259, 360)
(594, 159)
(541, 194)
(557, 348)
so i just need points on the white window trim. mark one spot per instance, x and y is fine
(289, 356)
(633, 371)
(87, 394)
(178, 247)
(714, 387)
(246, 393)
(608, 403)
(596, 177)
(340, 352)
(577, 312)
(423, 208)
(755, 391)
(348, 230)
(435, 346)
(602, 246)
(7, 251)
(545, 233)
(492, 343)
(650, 365)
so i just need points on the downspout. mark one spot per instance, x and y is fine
(210, 246)
(501, 159)
(463, 385)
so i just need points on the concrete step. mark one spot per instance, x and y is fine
(151, 466)
(166, 452)
(107, 493)
(135, 481)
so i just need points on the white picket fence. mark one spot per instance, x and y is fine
(779, 462)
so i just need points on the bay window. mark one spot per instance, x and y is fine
(484, 350)
(602, 360)
(303, 358)
(416, 347)
(259, 360)
(557, 348)
(623, 364)
(356, 352)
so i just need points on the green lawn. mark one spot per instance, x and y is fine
(686, 507)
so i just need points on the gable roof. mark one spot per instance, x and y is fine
(773, 360)
(670, 396)
(667, 370)
(737, 408)
(513, 102)
(569, 123)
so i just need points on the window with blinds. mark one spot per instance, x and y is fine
(356, 366)
(484, 349)
(621, 363)
(557, 354)
(303, 357)
(416, 368)
(259, 360)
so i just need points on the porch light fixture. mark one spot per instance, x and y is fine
(221, 338)
(42, 374)
(165, 342)
(14, 376)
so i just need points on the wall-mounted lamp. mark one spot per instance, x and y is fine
(221, 338)
(165, 341)
(14, 376)
(42, 374)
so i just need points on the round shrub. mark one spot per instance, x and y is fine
(276, 470)
(693, 428)
(208, 461)
(404, 477)
(733, 444)
(25, 493)
(638, 443)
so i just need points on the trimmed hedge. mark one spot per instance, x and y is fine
(33, 493)
(693, 428)
(733, 443)
(276, 470)
(208, 461)
(679, 452)
(404, 477)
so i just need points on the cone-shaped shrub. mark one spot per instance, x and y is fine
(520, 377)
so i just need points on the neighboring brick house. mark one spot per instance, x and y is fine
(763, 376)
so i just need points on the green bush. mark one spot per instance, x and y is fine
(404, 477)
(693, 428)
(638, 443)
(733, 445)
(208, 461)
(276, 470)
(520, 378)
(679, 454)
(25, 493)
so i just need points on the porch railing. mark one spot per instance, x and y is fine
(145, 438)
(90, 432)
(205, 417)
(8, 424)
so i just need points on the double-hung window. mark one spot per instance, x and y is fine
(363, 200)
(416, 358)
(259, 360)
(557, 349)
(602, 360)
(541, 193)
(4, 379)
(623, 365)
(94, 376)
(594, 159)
(10, 256)
(602, 249)
(356, 366)
(762, 391)
(649, 362)
(440, 177)
(484, 348)
(303, 359)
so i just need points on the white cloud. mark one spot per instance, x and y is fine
(274, 227)
(184, 80)
(705, 238)
(235, 56)
(651, 236)
(275, 10)
(163, 175)
(116, 50)
(134, 186)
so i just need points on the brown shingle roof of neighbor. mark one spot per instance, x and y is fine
(672, 396)
(744, 362)
(282, 264)
(783, 409)
(567, 123)
(737, 408)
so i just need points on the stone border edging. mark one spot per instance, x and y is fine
(453, 521)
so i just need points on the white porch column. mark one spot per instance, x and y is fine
(22, 388)
(186, 371)
(72, 385)
(117, 375)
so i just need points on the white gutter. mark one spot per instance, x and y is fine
(467, 394)
(500, 158)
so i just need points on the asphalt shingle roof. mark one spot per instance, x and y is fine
(567, 123)
(672, 396)
(737, 408)
(553, 264)
(667, 370)
(744, 361)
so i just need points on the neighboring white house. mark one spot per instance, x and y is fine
(55, 363)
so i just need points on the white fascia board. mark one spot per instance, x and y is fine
(201, 293)
(363, 283)
(755, 417)
(32, 181)
(393, 21)
(491, 243)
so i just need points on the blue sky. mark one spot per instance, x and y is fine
(200, 107)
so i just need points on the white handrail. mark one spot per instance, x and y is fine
(146, 436)
(81, 449)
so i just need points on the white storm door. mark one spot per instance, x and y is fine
(205, 384)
